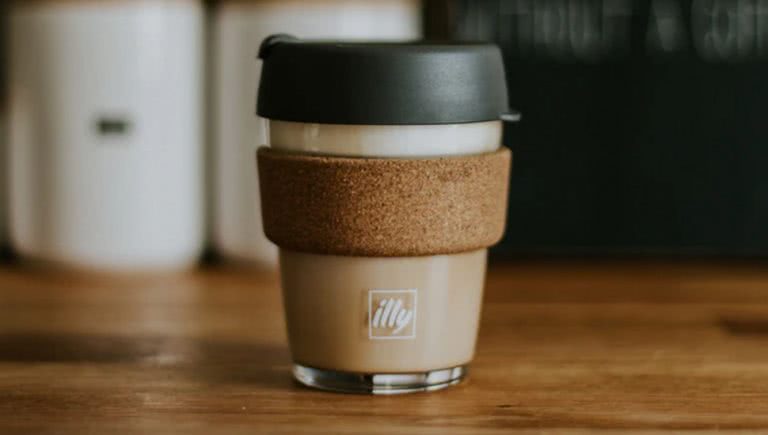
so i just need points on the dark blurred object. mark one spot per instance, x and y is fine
(643, 126)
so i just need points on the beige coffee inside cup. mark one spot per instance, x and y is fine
(389, 314)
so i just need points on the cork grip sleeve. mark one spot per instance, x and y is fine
(383, 207)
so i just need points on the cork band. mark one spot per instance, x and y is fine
(383, 207)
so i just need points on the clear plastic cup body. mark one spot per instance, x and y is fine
(411, 321)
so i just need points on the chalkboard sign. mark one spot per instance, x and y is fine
(645, 123)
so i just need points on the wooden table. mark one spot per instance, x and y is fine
(646, 345)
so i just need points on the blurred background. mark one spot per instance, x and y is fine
(128, 127)
(644, 122)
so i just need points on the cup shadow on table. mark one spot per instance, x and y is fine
(745, 325)
(204, 360)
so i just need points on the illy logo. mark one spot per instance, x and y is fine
(392, 314)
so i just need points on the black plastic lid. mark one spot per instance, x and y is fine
(335, 82)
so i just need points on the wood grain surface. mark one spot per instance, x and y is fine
(643, 346)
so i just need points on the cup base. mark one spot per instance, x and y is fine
(378, 383)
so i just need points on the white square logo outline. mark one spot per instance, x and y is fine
(412, 291)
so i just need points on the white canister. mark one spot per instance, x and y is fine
(239, 28)
(106, 141)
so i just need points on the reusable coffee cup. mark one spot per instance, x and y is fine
(383, 185)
